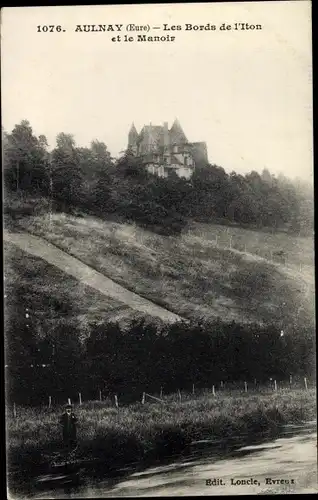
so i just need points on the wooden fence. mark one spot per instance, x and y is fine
(223, 388)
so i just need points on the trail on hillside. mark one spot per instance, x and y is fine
(40, 248)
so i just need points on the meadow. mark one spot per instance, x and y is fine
(55, 297)
(295, 249)
(145, 433)
(186, 274)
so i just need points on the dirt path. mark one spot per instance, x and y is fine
(72, 266)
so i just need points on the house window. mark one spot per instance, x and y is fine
(185, 160)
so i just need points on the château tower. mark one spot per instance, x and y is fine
(132, 139)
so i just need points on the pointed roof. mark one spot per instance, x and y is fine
(152, 132)
(176, 123)
(133, 130)
(176, 132)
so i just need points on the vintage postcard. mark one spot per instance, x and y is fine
(158, 213)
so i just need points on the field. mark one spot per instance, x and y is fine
(155, 431)
(187, 274)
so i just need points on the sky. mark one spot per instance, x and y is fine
(246, 93)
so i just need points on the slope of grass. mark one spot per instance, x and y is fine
(294, 249)
(186, 274)
(55, 296)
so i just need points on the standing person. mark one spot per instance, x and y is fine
(68, 421)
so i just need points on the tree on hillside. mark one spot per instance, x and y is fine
(289, 202)
(43, 142)
(266, 176)
(25, 160)
(67, 177)
(207, 198)
(20, 342)
(100, 177)
(128, 166)
(68, 359)
(105, 358)
(100, 153)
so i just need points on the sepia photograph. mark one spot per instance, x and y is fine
(158, 240)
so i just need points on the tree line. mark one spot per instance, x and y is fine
(90, 180)
(144, 356)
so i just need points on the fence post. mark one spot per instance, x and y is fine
(143, 398)
(275, 385)
(116, 401)
(221, 384)
(100, 395)
(192, 388)
(213, 390)
(14, 411)
(306, 386)
(80, 398)
(69, 401)
(179, 394)
(160, 392)
(290, 381)
(245, 386)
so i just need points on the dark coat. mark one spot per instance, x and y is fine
(68, 423)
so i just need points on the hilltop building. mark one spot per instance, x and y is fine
(163, 150)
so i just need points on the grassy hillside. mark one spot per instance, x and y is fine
(55, 297)
(295, 250)
(186, 274)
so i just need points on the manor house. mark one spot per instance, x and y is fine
(163, 150)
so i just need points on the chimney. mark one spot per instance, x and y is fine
(165, 135)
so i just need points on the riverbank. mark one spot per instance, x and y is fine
(147, 433)
(243, 470)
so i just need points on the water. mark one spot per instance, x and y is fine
(290, 459)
